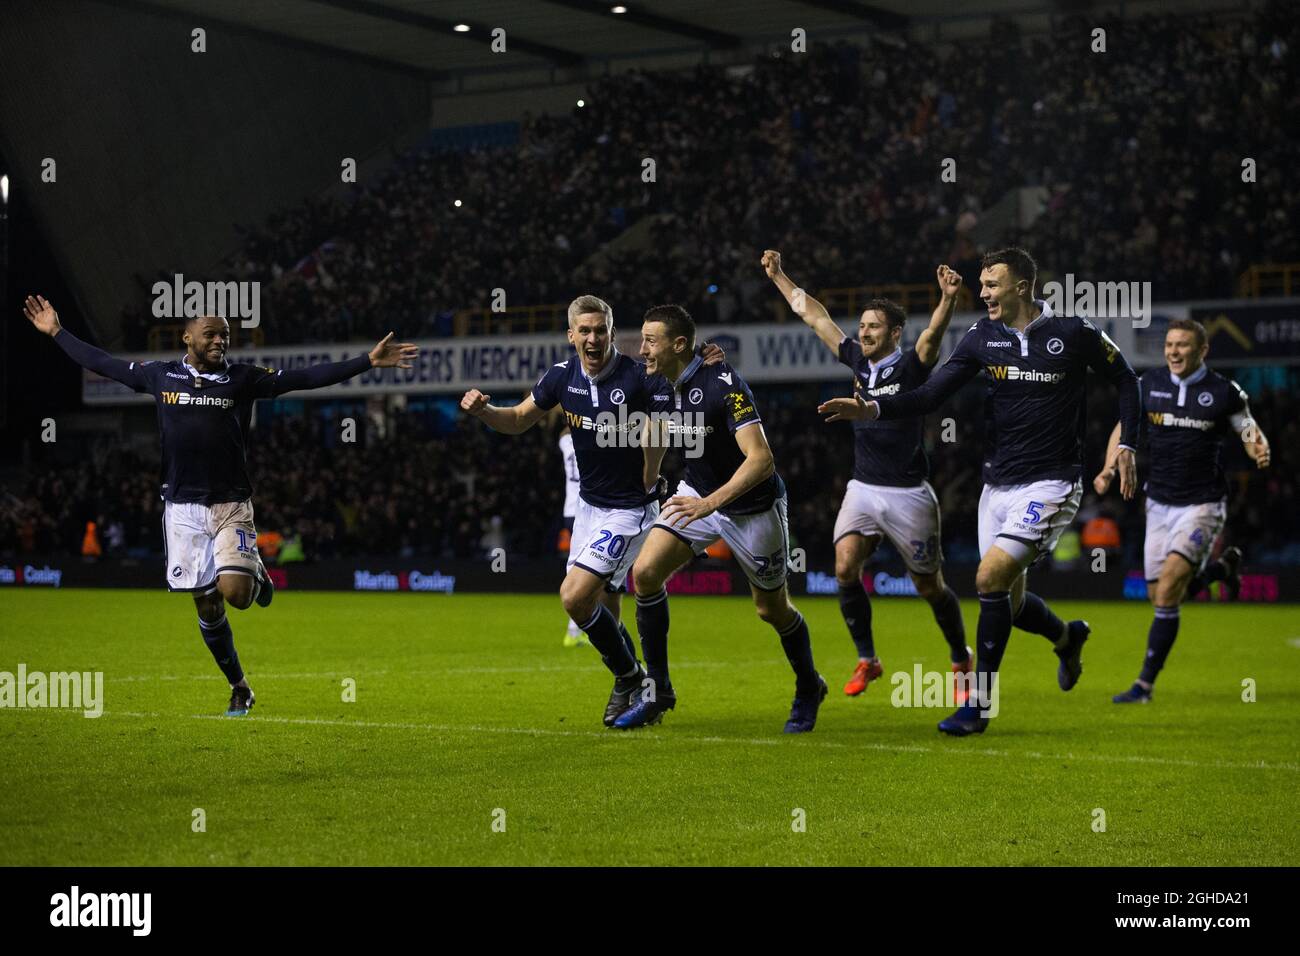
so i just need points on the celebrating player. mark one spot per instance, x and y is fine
(205, 405)
(1037, 364)
(618, 479)
(888, 494)
(732, 492)
(1189, 410)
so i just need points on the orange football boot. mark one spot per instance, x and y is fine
(863, 674)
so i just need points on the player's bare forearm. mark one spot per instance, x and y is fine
(930, 340)
(1257, 447)
(513, 420)
(756, 467)
(653, 456)
(1109, 466)
(812, 312)
(1112, 446)
(504, 420)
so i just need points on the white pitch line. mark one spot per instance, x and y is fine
(542, 668)
(954, 750)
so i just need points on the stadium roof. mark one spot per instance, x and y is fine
(420, 36)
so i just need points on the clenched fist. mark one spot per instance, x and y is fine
(473, 402)
(772, 263)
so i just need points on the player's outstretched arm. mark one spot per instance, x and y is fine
(805, 306)
(930, 340)
(758, 466)
(962, 366)
(387, 354)
(42, 315)
(513, 420)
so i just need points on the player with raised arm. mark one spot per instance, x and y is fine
(1189, 409)
(1037, 365)
(732, 492)
(205, 407)
(888, 495)
(618, 500)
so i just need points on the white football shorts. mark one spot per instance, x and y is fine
(908, 517)
(760, 542)
(606, 541)
(204, 541)
(1027, 520)
(1189, 530)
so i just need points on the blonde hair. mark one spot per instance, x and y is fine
(585, 304)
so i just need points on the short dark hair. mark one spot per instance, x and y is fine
(676, 319)
(1020, 263)
(895, 317)
(1190, 325)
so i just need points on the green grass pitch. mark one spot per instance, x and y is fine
(469, 704)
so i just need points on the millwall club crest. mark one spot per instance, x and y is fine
(1055, 346)
(617, 396)
(696, 396)
(1205, 399)
(886, 373)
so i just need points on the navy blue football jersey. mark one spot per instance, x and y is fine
(1185, 425)
(203, 417)
(887, 452)
(203, 420)
(724, 404)
(1036, 407)
(611, 474)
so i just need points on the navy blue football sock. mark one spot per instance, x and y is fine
(798, 651)
(221, 642)
(1037, 618)
(603, 632)
(627, 639)
(856, 608)
(1213, 571)
(992, 634)
(1160, 641)
(947, 614)
(652, 626)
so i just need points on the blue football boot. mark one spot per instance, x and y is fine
(964, 721)
(803, 712)
(644, 712)
(1071, 666)
(1137, 694)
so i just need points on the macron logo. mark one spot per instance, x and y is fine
(725, 376)
(1000, 345)
(102, 909)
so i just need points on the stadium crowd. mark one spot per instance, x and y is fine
(429, 492)
(833, 156)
